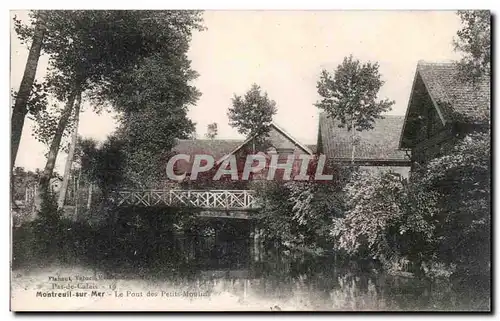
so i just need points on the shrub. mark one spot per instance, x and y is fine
(448, 218)
(298, 214)
(372, 209)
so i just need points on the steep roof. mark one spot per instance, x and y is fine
(456, 99)
(217, 148)
(281, 131)
(378, 144)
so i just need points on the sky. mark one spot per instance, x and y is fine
(283, 52)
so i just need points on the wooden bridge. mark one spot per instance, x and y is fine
(204, 199)
(209, 203)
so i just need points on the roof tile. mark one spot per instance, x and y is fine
(379, 143)
(217, 148)
(457, 98)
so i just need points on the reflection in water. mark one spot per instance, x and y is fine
(239, 273)
(301, 282)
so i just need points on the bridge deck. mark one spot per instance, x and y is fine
(205, 199)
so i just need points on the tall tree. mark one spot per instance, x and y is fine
(85, 156)
(46, 175)
(252, 113)
(211, 131)
(79, 43)
(22, 97)
(349, 95)
(71, 152)
(474, 41)
(153, 99)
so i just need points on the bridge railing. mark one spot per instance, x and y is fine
(216, 199)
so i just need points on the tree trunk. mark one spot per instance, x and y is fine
(43, 186)
(353, 150)
(71, 154)
(89, 199)
(77, 194)
(20, 106)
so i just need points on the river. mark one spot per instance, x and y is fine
(239, 275)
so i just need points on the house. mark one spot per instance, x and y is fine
(217, 148)
(442, 107)
(377, 149)
(278, 141)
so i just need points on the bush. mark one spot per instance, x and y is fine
(298, 214)
(448, 218)
(372, 209)
(439, 220)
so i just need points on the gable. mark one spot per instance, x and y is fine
(281, 140)
(421, 111)
(278, 139)
(454, 100)
(457, 99)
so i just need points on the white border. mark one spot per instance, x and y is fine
(189, 4)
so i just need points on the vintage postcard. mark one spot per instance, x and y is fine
(274, 161)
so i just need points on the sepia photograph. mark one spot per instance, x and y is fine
(250, 160)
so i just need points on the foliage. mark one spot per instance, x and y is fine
(21, 180)
(211, 131)
(439, 219)
(252, 113)
(474, 41)
(37, 99)
(454, 190)
(49, 214)
(275, 209)
(102, 165)
(153, 99)
(45, 123)
(85, 154)
(128, 237)
(29, 97)
(314, 204)
(372, 207)
(416, 229)
(299, 213)
(78, 43)
(350, 94)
